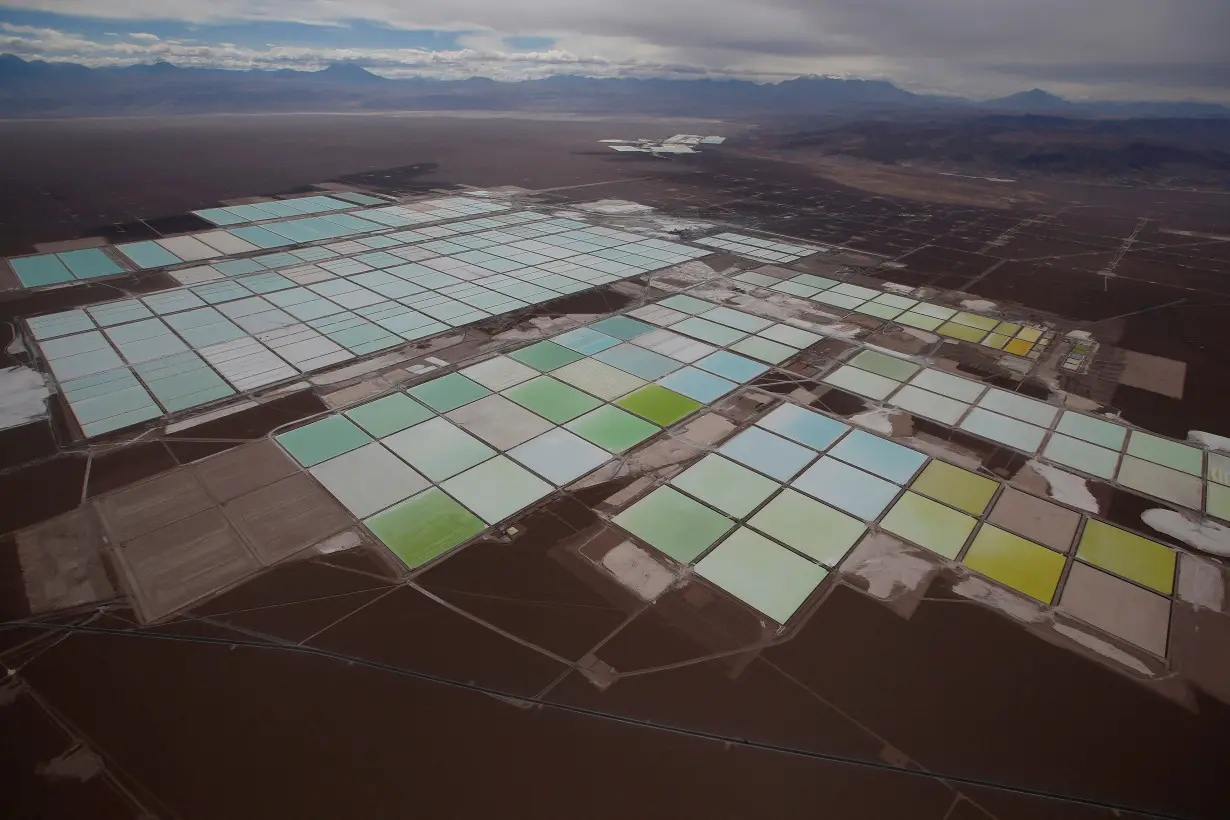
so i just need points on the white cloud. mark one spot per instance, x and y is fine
(58, 46)
(982, 47)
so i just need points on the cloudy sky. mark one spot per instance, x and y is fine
(1105, 49)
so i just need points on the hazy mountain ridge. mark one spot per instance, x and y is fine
(35, 88)
(1175, 151)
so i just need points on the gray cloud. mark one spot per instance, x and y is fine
(1108, 48)
(1169, 75)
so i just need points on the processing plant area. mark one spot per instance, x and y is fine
(699, 472)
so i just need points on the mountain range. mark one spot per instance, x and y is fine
(36, 88)
(1177, 152)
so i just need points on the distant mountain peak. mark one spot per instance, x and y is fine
(1038, 94)
(347, 72)
(817, 87)
(1033, 100)
(160, 67)
(824, 78)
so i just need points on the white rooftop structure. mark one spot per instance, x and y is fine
(678, 144)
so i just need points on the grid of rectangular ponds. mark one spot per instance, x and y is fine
(1096, 446)
(766, 250)
(260, 211)
(1011, 337)
(263, 320)
(765, 516)
(58, 268)
(430, 467)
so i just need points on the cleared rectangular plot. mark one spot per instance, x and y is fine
(1124, 610)
(183, 562)
(287, 516)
